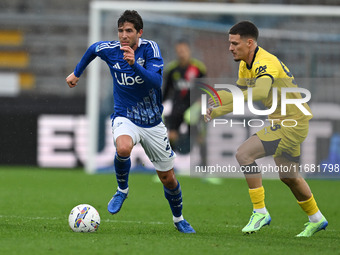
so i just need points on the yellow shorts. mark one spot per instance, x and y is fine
(279, 140)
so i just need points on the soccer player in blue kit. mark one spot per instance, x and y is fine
(136, 66)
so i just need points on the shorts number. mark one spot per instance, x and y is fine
(167, 144)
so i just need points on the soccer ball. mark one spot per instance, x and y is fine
(84, 218)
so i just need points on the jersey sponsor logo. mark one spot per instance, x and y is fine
(260, 70)
(128, 80)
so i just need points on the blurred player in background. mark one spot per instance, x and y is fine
(179, 77)
(262, 71)
(136, 66)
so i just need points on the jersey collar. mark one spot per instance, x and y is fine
(139, 43)
(251, 64)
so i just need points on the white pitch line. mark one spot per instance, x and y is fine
(127, 221)
(271, 226)
(30, 218)
(135, 222)
(59, 218)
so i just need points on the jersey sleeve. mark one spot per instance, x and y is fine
(154, 61)
(241, 82)
(90, 54)
(152, 71)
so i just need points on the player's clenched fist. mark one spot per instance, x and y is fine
(207, 117)
(129, 55)
(72, 80)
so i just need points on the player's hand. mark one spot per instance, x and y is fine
(207, 117)
(129, 55)
(211, 101)
(72, 80)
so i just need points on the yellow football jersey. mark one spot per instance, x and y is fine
(266, 64)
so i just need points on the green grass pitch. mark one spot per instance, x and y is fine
(35, 203)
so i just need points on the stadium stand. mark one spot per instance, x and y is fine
(43, 40)
(34, 42)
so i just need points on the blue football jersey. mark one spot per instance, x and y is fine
(137, 88)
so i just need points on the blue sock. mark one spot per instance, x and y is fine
(174, 196)
(122, 168)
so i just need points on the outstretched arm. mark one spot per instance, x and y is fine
(89, 55)
(260, 92)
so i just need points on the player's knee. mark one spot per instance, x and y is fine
(241, 157)
(168, 180)
(124, 150)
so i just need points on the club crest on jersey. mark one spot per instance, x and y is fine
(128, 80)
(140, 61)
(261, 70)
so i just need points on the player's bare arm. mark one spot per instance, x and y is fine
(72, 80)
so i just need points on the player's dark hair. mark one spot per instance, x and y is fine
(133, 17)
(245, 29)
(182, 41)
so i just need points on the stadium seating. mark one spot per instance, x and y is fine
(43, 41)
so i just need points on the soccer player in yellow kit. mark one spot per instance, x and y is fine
(262, 72)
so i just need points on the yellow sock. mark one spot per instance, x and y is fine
(309, 206)
(257, 197)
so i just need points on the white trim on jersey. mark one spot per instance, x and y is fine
(106, 45)
(156, 53)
